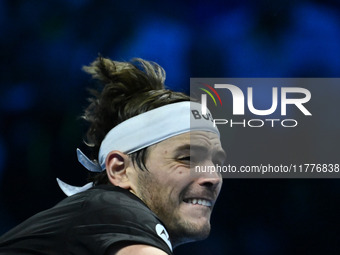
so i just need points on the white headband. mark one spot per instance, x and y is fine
(149, 128)
(145, 130)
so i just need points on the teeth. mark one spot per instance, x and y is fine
(199, 201)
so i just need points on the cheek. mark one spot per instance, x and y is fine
(178, 177)
(171, 186)
(171, 178)
(171, 171)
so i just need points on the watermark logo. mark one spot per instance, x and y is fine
(281, 99)
(239, 99)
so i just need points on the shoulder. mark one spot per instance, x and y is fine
(108, 200)
(112, 216)
(137, 249)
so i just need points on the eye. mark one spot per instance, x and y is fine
(186, 158)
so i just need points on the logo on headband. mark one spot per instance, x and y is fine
(199, 115)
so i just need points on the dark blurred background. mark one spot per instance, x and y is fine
(44, 44)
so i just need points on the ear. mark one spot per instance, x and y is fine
(116, 168)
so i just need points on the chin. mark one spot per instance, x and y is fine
(199, 228)
(189, 232)
(202, 233)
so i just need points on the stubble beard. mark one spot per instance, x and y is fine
(155, 197)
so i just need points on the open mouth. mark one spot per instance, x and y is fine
(198, 201)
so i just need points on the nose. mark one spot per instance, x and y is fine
(210, 179)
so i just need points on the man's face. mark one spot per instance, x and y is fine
(181, 198)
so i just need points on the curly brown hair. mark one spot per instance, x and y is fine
(127, 89)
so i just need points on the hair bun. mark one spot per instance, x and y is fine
(127, 78)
